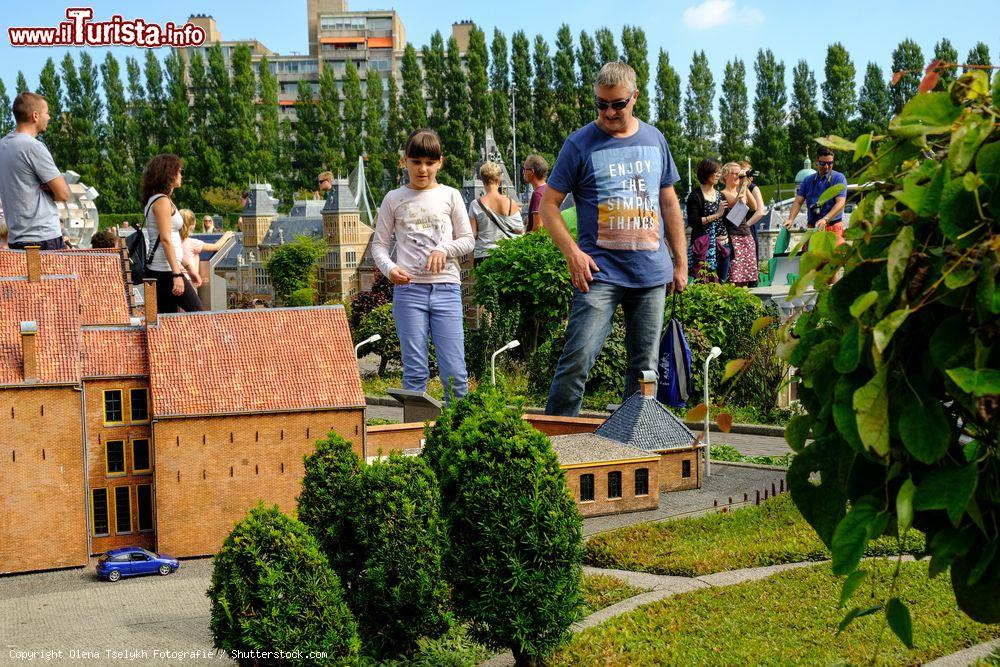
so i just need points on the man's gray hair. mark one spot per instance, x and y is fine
(616, 73)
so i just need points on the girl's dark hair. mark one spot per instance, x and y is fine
(424, 142)
(706, 168)
(159, 175)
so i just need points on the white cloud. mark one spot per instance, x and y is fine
(715, 13)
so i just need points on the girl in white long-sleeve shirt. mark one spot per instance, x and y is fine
(432, 231)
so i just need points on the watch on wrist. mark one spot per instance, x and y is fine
(178, 275)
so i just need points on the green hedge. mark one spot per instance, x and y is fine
(116, 219)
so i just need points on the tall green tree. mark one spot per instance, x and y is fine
(547, 140)
(906, 57)
(589, 64)
(266, 158)
(287, 149)
(331, 132)
(567, 113)
(500, 92)
(476, 63)
(457, 136)
(838, 91)
(524, 121)
(435, 71)
(734, 119)
(6, 115)
(50, 87)
(395, 127)
(414, 108)
(21, 83)
(804, 122)
(184, 120)
(668, 106)
(154, 94)
(699, 123)
(606, 45)
(220, 124)
(83, 113)
(139, 116)
(117, 174)
(769, 152)
(308, 156)
(978, 55)
(353, 115)
(946, 53)
(637, 55)
(242, 117)
(874, 102)
(375, 133)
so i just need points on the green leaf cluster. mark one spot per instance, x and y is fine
(900, 374)
(293, 266)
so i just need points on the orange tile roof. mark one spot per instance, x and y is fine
(115, 352)
(54, 304)
(102, 286)
(269, 360)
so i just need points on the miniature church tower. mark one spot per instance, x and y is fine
(346, 238)
(258, 214)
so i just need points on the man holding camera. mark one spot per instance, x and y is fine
(829, 214)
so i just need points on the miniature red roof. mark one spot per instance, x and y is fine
(102, 285)
(114, 352)
(53, 304)
(239, 361)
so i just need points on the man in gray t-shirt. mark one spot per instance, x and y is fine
(30, 183)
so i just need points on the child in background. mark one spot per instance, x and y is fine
(194, 247)
(432, 231)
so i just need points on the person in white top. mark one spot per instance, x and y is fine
(163, 174)
(432, 231)
(494, 216)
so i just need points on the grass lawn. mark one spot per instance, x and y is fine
(727, 453)
(602, 590)
(769, 534)
(788, 619)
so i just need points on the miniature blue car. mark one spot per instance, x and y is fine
(133, 561)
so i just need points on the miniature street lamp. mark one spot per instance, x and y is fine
(493, 360)
(370, 339)
(713, 353)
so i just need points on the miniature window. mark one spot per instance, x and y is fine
(615, 484)
(140, 456)
(123, 510)
(144, 509)
(99, 511)
(115, 456)
(686, 468)
(138, 405)
(586, 488)
(113, 410)
(642, 482)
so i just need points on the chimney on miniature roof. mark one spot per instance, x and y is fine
(29, 351)
(149, 301)
(33, 258)
(647, 383)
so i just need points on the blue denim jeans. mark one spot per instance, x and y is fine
(422, 309)
(589, 326)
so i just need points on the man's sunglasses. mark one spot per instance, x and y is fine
(617, 105)
(825, 163)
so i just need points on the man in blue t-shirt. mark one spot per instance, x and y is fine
(830, 214)
(622, 177)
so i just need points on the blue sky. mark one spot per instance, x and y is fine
(725, 29)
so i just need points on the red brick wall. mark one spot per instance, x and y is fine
(42, 520)
(552, 425)
(671, 468)
(211, 470)
(629, 502)
(394, 437)
(98, 434)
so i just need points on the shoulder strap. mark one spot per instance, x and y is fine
(150, 203)
(495, 220)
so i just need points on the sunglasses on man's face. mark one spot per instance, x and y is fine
(617, 105)
(825, 163)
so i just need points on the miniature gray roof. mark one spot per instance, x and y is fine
(578, 448)
(307, 208)
(259, 202)
(340, 199)
(643, 423)
(229, 262)
(285, 230)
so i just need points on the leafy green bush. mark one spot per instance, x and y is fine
(380, 321)
(899, 366)
(301, 297)
(273, 590)
(292, 266)
(364, 303)
(514, 533)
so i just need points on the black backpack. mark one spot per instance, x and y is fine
(136, 244)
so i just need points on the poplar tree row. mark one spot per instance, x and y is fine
(225, 121)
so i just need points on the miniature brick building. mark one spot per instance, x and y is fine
(160, 433)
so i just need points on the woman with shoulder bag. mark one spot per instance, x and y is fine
(743, 206)
(494, 216)
(705, 207)
(174, 292)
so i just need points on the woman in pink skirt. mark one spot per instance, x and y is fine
(743, 270)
